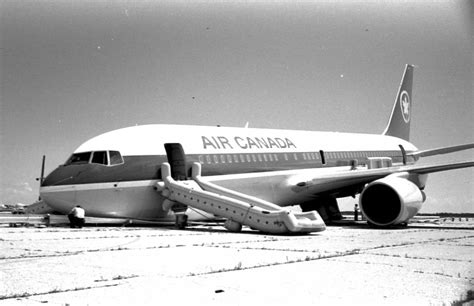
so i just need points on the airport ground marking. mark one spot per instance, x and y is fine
(27, 295)
(227, 244)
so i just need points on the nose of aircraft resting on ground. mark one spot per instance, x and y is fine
(57, 189)
(104, 189)
(60, 199)
(61, 189)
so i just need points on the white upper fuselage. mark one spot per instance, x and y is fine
(149, 140)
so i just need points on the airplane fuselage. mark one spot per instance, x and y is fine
(115, 174)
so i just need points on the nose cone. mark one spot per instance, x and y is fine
(61, 201)
(57, 189)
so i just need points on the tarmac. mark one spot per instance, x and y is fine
(429, 263)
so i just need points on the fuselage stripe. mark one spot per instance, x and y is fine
(138, 168)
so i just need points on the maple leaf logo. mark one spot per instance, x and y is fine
(405, 105)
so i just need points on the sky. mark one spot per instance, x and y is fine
(71, 70)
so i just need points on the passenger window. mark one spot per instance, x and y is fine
(99, 157)
(116, 158)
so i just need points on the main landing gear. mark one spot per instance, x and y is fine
(181, 221)
(326, 207)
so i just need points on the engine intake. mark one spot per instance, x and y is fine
(391, 201)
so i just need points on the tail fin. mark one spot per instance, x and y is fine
(399, 123)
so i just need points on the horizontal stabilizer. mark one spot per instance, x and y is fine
(444, 150)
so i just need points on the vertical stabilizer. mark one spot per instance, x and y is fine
(399, 123)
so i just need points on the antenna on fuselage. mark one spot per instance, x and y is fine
(246, 125)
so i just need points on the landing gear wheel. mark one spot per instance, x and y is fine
(233, 226)
(181, 221)
(332, 208)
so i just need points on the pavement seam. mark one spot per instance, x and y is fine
(27, 295)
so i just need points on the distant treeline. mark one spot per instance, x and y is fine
(449, 215)
(441, 215)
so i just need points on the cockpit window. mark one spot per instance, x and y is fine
(99, 157)
(115, 158)
(107, 158)
(79, 158)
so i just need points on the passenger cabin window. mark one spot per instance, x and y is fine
(99, 157)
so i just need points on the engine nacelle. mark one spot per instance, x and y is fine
(391, 201)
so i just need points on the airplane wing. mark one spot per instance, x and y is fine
(389, 195)
(443, 150)
(333, 182)
(425, 169)
(358, 177)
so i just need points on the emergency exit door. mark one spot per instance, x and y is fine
(177, 160)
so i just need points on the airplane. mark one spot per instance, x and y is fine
(249, 176)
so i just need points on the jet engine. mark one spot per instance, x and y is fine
(391, 201)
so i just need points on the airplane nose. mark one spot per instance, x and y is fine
(58, 191)
(60, 198)
(59, 176)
